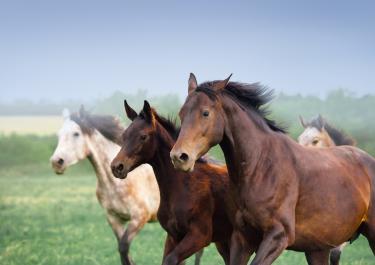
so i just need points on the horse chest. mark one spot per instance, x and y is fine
(174, 221)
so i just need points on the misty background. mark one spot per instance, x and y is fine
(86, 50)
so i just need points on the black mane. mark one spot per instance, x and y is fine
(108, 126)
(338, 136)
(168, 124)
(251, 97)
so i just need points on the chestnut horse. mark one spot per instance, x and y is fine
(193, 207)
(134, 201)
(289, 196)
(319, 133)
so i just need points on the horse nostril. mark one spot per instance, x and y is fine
(120, 167)
(60, 161)
(184, 157)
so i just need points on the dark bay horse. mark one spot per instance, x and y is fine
(193, 205)
(320, 133)
(289, 196)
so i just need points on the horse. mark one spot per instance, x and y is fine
(193, 208)
(134, 201)
(289, 196)
(319, 133)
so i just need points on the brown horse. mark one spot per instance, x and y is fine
(193, 205)
(319, 133)
(289, 196)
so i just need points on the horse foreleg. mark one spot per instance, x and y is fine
(224, 250)
(118, 229)
(317, 257)
(335, 254)
(272, 245)
(198, 257)
(193, 242)
(240, 250)
(134, 226)
(169, 245)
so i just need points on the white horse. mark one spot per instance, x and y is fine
(135, 199)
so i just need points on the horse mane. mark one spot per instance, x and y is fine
(338, 136)
(109, 126)
(169, 124)
(250, 97)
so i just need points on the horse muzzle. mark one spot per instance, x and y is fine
(119, 170)
(182, 161)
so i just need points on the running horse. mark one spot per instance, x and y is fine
(194, 208)
(320, 133)
(134, 201)
(288, 196)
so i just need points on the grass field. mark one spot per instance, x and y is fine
(49, 219)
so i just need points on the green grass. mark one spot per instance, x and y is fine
(49, 219)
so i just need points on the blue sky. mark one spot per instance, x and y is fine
(88, 49)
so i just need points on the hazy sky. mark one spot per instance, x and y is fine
(87, 49)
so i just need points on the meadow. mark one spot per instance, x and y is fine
(50, 219)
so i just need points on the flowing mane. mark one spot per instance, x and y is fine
(108, 126)
(338, 136)
(250, 97)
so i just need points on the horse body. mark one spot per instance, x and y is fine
(134, 201)
(319, 133)
(283, 179)
(193, 205)
(290, 196)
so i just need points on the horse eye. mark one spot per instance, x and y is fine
(206, 113)
(76, 134)
(315, 142)
(143, 137)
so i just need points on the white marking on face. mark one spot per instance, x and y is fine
(311, 136)
(71, 147)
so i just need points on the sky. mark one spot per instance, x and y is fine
(87, 49)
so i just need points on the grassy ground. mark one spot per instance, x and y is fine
(51, 219)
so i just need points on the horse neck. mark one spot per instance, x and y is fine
(102, 151)
(164, 171)
(240, 132)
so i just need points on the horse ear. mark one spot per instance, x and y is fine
(320, 121)
(222, 84)
(193, 84)
(129, 111)
(66, 114)
(82, 111)
(302, 121)
(147, 112)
